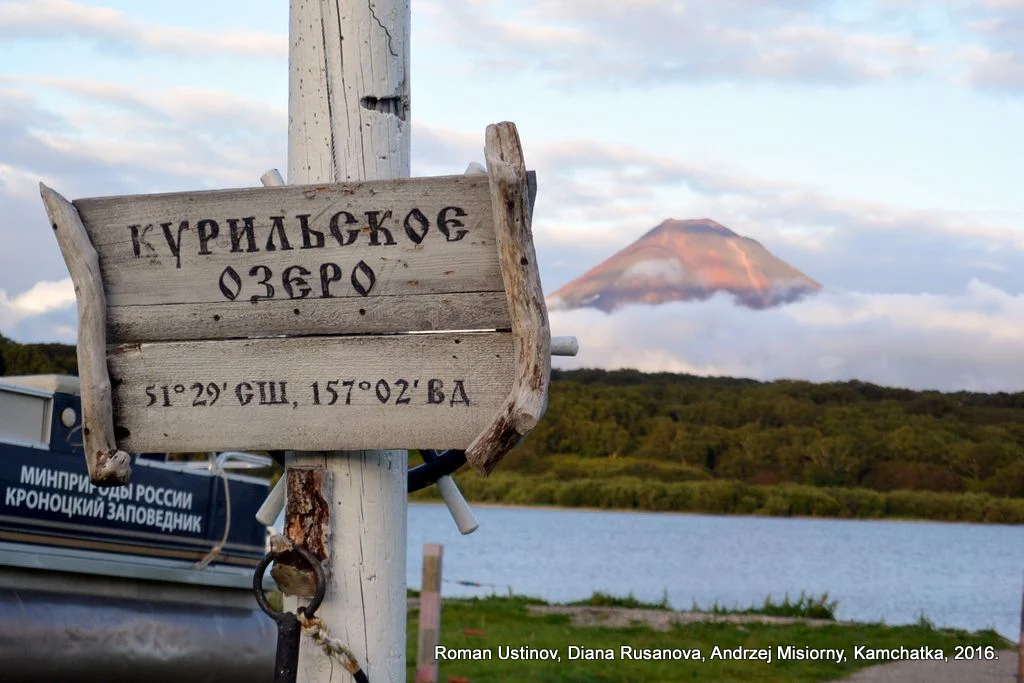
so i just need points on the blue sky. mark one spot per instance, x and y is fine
(876, 145)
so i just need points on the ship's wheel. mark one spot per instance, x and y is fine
(436, 464)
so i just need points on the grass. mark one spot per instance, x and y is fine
(806, 607)
(486, 624)
(600, 599)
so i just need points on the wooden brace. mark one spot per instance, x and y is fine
(531, 333)
(107, 465)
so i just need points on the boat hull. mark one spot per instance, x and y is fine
(101, 633)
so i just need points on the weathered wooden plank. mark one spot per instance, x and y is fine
(382, 314)
(106, 218)
(531, 333)
(107, 465)
(395, 391)
(297, 244)
(302, 276)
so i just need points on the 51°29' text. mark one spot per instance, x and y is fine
(335, 392)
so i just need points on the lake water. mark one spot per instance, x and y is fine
(958, 575)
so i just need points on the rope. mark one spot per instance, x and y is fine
(477, 584)
(218, 547)
(332, 647)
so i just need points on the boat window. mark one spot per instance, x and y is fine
(25, 419)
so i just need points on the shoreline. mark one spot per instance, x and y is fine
(731, 497)
(818, 518)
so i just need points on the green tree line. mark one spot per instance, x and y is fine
(850, 434)
(36, 359)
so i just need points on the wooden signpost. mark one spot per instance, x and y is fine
(353, 311)
(317, 317)
(310, 317)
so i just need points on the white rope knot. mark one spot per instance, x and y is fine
(332, 647)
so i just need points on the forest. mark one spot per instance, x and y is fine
(33, 359)
(850, 434)
(627, 439)
(672, 442)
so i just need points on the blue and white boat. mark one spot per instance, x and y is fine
(149, 581)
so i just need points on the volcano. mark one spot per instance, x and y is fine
(686, 260)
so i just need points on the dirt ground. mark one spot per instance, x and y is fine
(659, 619)
(1004, 670)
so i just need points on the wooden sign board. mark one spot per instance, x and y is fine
(388, 314)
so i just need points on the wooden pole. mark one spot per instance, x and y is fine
(348, 121)
(430, 615)
(1020, 651)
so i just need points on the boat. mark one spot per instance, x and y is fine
(148, 581)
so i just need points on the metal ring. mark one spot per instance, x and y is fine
(318, 572)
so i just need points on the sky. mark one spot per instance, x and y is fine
(875, 145)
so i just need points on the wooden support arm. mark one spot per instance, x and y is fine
(528, 313)
(108, 466)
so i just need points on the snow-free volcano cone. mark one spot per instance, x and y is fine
(686, 261)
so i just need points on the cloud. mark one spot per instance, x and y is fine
(111, 141)
(183, 107)
(650, 43)
(442, 151)
(110, 136)
(992, 52)
(110, 29)
(970, 340)
(995, 70)
(644, 42)
(42, 299)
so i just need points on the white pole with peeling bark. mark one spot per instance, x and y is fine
(348, 121)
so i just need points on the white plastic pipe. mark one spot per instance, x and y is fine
(564, 346)
(272, 506)
(457, 505)
(272, 178)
